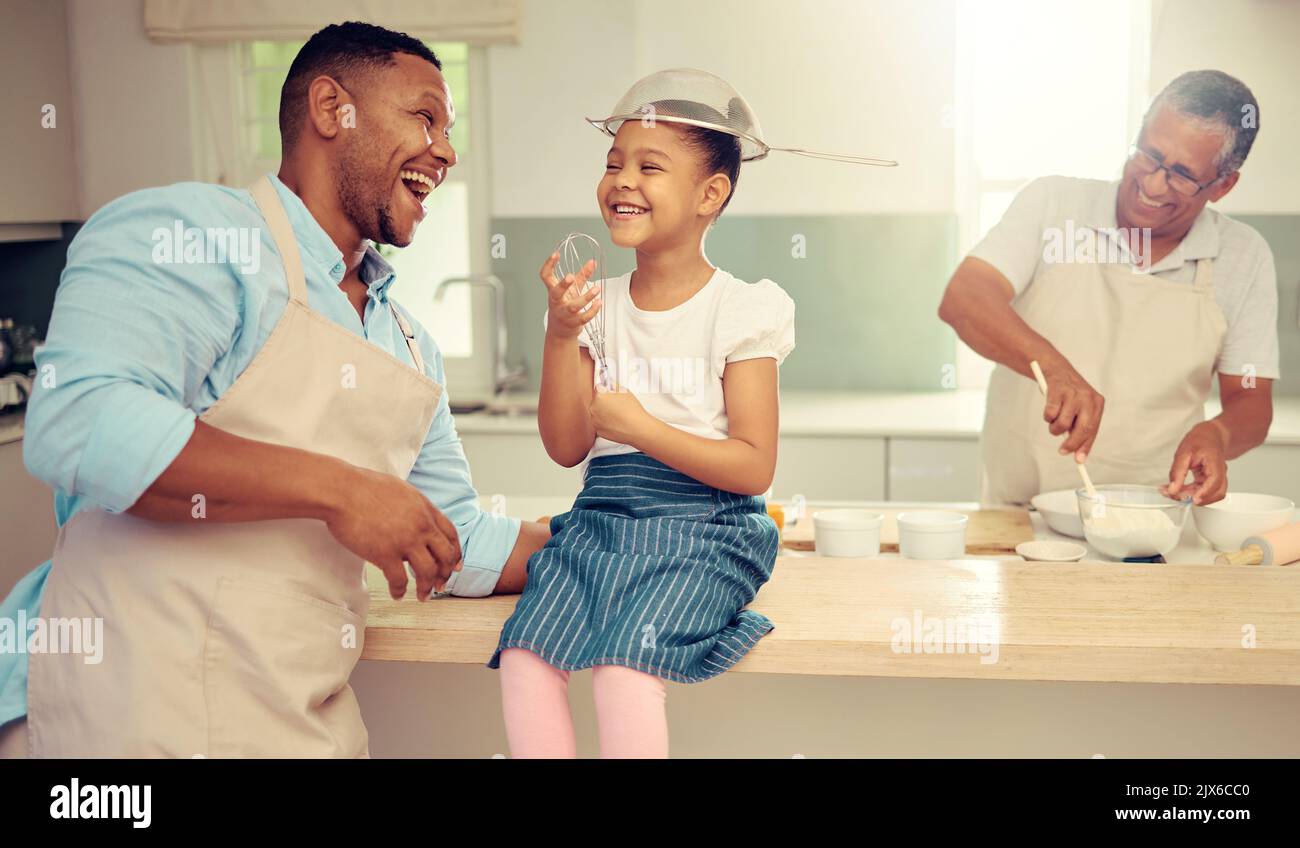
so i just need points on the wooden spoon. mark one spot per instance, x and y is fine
(1042, 386)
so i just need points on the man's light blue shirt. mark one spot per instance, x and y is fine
(139, 346)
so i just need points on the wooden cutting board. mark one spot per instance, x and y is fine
(990, 531)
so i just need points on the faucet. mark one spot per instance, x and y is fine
(503, 376)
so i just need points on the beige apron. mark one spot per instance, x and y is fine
(235, 640)
(1148, 345)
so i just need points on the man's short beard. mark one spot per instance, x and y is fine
(387, 231)
(372, 218)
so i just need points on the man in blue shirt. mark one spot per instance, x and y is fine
(152, 328)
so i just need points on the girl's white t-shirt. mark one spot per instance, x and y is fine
(673, 360)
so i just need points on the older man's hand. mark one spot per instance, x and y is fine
(1204, 452)
(1072, 406)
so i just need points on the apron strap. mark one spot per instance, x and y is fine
(410, 337)
(1204, 274)
(268, 201)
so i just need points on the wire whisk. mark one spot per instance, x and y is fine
(571, 262)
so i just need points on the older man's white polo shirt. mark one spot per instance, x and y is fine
(1245, 280)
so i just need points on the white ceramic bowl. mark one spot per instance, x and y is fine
(1226, 524)
(932, 534)
(1051, 550)
(1125, 521)
(847, 532)
(1060, 509)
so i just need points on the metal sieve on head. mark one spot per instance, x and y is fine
(701, 99)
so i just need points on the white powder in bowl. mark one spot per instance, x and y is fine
(1121, 533)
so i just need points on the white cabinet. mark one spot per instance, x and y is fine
(830, 468)
(38, 170)
(1268, 469)
(516, 464)
(834, 468)
(934, 469)
(825, 468)
(27, 528)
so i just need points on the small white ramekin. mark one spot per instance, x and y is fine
(847, 532)
(932, 534)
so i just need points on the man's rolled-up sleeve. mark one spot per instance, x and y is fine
(442, 472)
(130, 340)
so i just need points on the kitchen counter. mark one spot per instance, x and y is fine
(1088, 621)
(11, 427)
(1192, 549)
(957, 414)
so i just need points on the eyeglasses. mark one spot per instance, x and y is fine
(1181, 183)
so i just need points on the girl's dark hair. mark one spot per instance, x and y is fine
(720, 151)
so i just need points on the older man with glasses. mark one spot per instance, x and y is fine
(1131, 295)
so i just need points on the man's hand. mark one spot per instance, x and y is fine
(618, 416)
(389, 522)
(1072, 406)
(1204, 452)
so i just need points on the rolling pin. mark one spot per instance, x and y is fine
(1276, 547)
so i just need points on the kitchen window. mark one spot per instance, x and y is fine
(1041, 88)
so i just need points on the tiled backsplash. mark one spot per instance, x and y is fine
(866, 289)
(1282, 232)
(866, 292)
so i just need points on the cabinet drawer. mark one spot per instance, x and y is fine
(830, 468)
(517, 464)
(934, 470)
(1268, 469)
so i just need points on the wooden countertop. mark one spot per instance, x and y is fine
(1088, 621)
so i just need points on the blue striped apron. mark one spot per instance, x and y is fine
(651, 569)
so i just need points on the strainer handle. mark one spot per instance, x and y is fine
(839, 157)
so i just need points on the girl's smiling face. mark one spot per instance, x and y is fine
(653, 194)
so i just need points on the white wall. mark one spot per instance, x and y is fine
(871, 76)
(1257, 42)
(848, 76)
(575, 57)
(132, 103)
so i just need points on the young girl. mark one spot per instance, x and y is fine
(646, 579)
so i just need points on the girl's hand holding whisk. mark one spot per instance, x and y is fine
(571, 304)
(618, 416)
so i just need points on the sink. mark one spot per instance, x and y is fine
(511, 409)
(500, 407)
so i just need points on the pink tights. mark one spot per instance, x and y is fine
(535, 699)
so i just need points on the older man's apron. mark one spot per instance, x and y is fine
(1148, 345)
(236, 639)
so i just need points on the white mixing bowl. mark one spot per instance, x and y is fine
(1124, 521)
(1226, 524)
(1060, 509)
